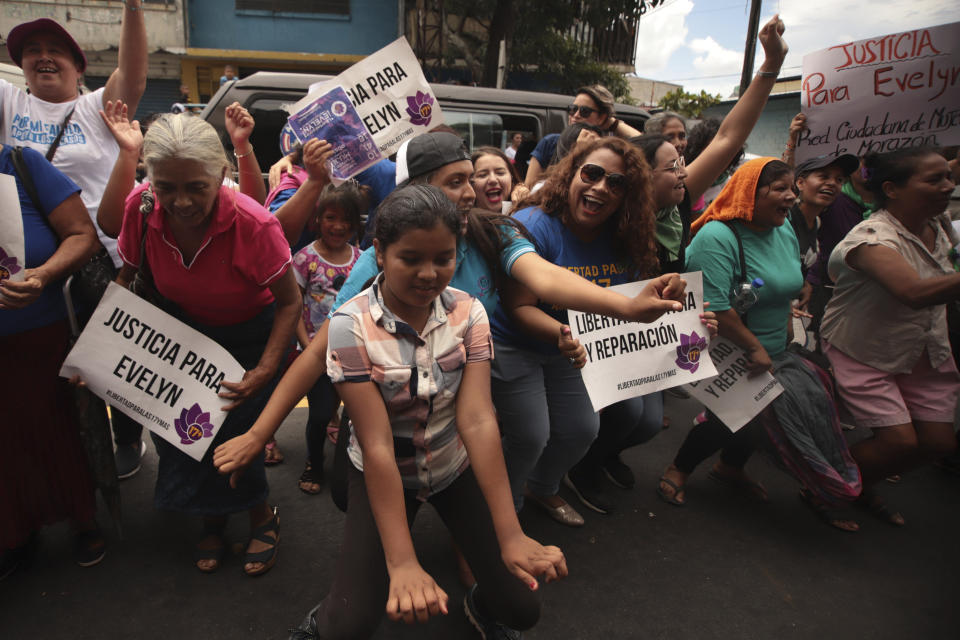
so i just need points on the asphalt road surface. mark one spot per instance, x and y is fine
(722, 566)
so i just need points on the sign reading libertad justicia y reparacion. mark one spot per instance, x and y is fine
(154, 368)
(882, 94)
(629, 359)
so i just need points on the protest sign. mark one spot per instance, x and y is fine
(12, 254)
(332, 117)
(630, 359)
(154, 368)
(390, 93)
(882, 94)
(731, 395)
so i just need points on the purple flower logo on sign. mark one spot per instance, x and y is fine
(193, 424)
(338, 109)
(691, 348)
(420, 108)
(8, 265)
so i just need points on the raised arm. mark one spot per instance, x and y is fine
(295, 212)
(239, 124)
(123, 178)
(736, 127)
(129, 79)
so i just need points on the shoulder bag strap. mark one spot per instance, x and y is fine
(56, 141)
(26, 179)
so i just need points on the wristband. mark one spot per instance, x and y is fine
(791, 146)
(127, 5)
(768, 74)
(242, 155)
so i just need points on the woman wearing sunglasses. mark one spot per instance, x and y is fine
(593, 216)
(592, 105)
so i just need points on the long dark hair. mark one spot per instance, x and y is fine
(633, 223)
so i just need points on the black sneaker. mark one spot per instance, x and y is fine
(589, 492)
(619, 473)
(128, 459)
(307, 629)
(489, 629)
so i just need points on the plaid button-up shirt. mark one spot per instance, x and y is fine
(418, 375)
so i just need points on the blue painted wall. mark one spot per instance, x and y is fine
(770, 135)
(216, 24)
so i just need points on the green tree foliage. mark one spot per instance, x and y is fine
(690, 105)
(539, 39)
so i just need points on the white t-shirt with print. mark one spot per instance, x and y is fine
(87, 151)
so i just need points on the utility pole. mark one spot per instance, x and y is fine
(750, 50)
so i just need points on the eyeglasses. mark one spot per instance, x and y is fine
(677, 167)
(591, 174)
(585, 112)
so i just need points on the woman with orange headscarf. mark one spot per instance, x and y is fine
(744, 230)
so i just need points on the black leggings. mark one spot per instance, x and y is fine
(358, 595)
(323, 401)
(708, 437)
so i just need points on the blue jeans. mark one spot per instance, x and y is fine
(545, 415)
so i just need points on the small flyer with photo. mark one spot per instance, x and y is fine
(332, 117)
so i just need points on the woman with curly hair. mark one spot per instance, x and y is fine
(595, 216)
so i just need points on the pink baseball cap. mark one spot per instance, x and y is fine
(20, 33)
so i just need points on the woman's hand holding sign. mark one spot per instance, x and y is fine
(571, 348)
(17, 295)
(253, 381)
(661, 295)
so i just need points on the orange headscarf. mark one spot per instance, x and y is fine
(737, 199)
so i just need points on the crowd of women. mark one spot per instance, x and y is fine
(447, 339)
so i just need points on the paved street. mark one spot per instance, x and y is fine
(720, 567)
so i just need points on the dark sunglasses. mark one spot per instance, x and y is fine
(585, 112)
(591, 174)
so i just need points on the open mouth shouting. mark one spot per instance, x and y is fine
(494, 195)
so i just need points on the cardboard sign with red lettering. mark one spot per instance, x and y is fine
(882, 94)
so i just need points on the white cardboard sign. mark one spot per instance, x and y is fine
(735, 398)
(630, 359)
(12, 254)
(391, 94)
(154, 368)
(882, 94)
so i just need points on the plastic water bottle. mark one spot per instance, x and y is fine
(746, 294)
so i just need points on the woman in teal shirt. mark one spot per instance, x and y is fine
(754, 206)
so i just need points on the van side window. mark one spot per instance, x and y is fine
(490, 129)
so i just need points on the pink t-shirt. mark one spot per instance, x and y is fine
(243, 253)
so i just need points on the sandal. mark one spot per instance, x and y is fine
(837, 518)
(671, 498)
(212, 529)
(879, 508)
(311, 480)
(267, 557)
(271, 454)
(740, 483)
